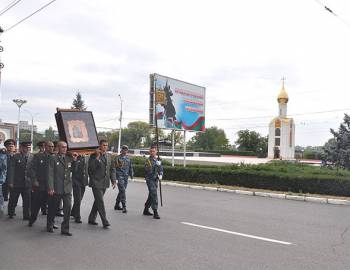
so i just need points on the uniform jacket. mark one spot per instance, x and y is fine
(40, 166)
(20, 170)
(3, 167)
(123, 166)
(80, 172)
(152, 170)
(60, 174)
(101, 171)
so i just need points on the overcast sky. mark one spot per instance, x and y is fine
(238, 50)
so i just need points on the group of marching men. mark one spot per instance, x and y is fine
(48, 178)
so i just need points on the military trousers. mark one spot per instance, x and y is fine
(122, 185)
(14, 195)
(53, 202)
(152, 199)
(98, 206)
(78, 194)
(1, 201)
(38, 199)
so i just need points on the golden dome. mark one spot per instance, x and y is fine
(283, 96)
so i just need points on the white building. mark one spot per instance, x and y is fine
(282, 131)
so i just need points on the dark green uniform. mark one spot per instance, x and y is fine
(101, 172)
(60, 169)
(19, 179)
(80, 181)
(39, 183)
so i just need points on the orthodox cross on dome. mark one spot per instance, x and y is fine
(283, 80)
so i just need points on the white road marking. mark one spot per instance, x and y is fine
(239, 234)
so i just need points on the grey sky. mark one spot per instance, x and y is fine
(238, 50)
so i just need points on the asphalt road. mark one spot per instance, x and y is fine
(198, 229)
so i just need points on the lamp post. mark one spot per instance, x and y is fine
(31, 130)
(120, 121)
(19, 103)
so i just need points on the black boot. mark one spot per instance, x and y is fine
(124, 208)
(117, 206)
(146, 212)
(155, 214)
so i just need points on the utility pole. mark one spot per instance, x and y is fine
(1, 64)
(120, 121)
(31, 131)
(19, 103)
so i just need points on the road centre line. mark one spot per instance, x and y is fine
(239, 234)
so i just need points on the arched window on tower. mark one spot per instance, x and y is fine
(277, 132)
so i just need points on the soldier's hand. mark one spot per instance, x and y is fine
(160, 176)
(10, 185)
(98, 153)
(75, 156)
(51, 192)
(114, 184)
(158, 163)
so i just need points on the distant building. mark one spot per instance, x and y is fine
(282, 131)
(25, 125)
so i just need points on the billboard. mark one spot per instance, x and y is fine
(176, 104)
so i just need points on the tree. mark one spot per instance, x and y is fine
(78, 102)
(251, 141)
(25, 135)
(212, 139)
(337, 149)
(50, 135)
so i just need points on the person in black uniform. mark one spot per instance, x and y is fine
(19, 180)
(39, 181)
(80, 181)
(60, 168)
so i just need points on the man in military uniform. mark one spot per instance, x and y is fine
(10, 145)
(154, 172)
(80, 181)
(19, 180)
(39, 181)
(101, 172)
(124, 168)
(60, 168)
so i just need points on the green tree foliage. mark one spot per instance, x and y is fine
(251, 141)
(78, 102)
(337, 150)
(50, 135)
(212, 139)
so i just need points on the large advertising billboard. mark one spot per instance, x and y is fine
(176, 104)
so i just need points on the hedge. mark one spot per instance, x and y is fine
(321, 181)
(234, 152)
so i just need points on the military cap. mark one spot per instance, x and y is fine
(125, 147)
(9, 141)
(26, 143)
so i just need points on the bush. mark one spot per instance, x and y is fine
(279, 176)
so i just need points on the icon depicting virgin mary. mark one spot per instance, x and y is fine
(77, 131)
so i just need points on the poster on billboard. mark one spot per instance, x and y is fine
(176, 104)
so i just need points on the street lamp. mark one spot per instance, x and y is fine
(120, 120)
(19, 103)
(32, 129)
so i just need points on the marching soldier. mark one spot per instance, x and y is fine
(124, 168)
(19, 180)
(60, 168)
(154, 172)
(101, 172)
(80, 181)
(10, 145)
(40, 180)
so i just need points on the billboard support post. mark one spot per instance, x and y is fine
(173, 148)
(184, 148)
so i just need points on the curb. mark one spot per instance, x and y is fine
(283, 196)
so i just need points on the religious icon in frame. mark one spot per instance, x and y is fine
(77, 128)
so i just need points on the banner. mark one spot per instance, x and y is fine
(176, 104)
